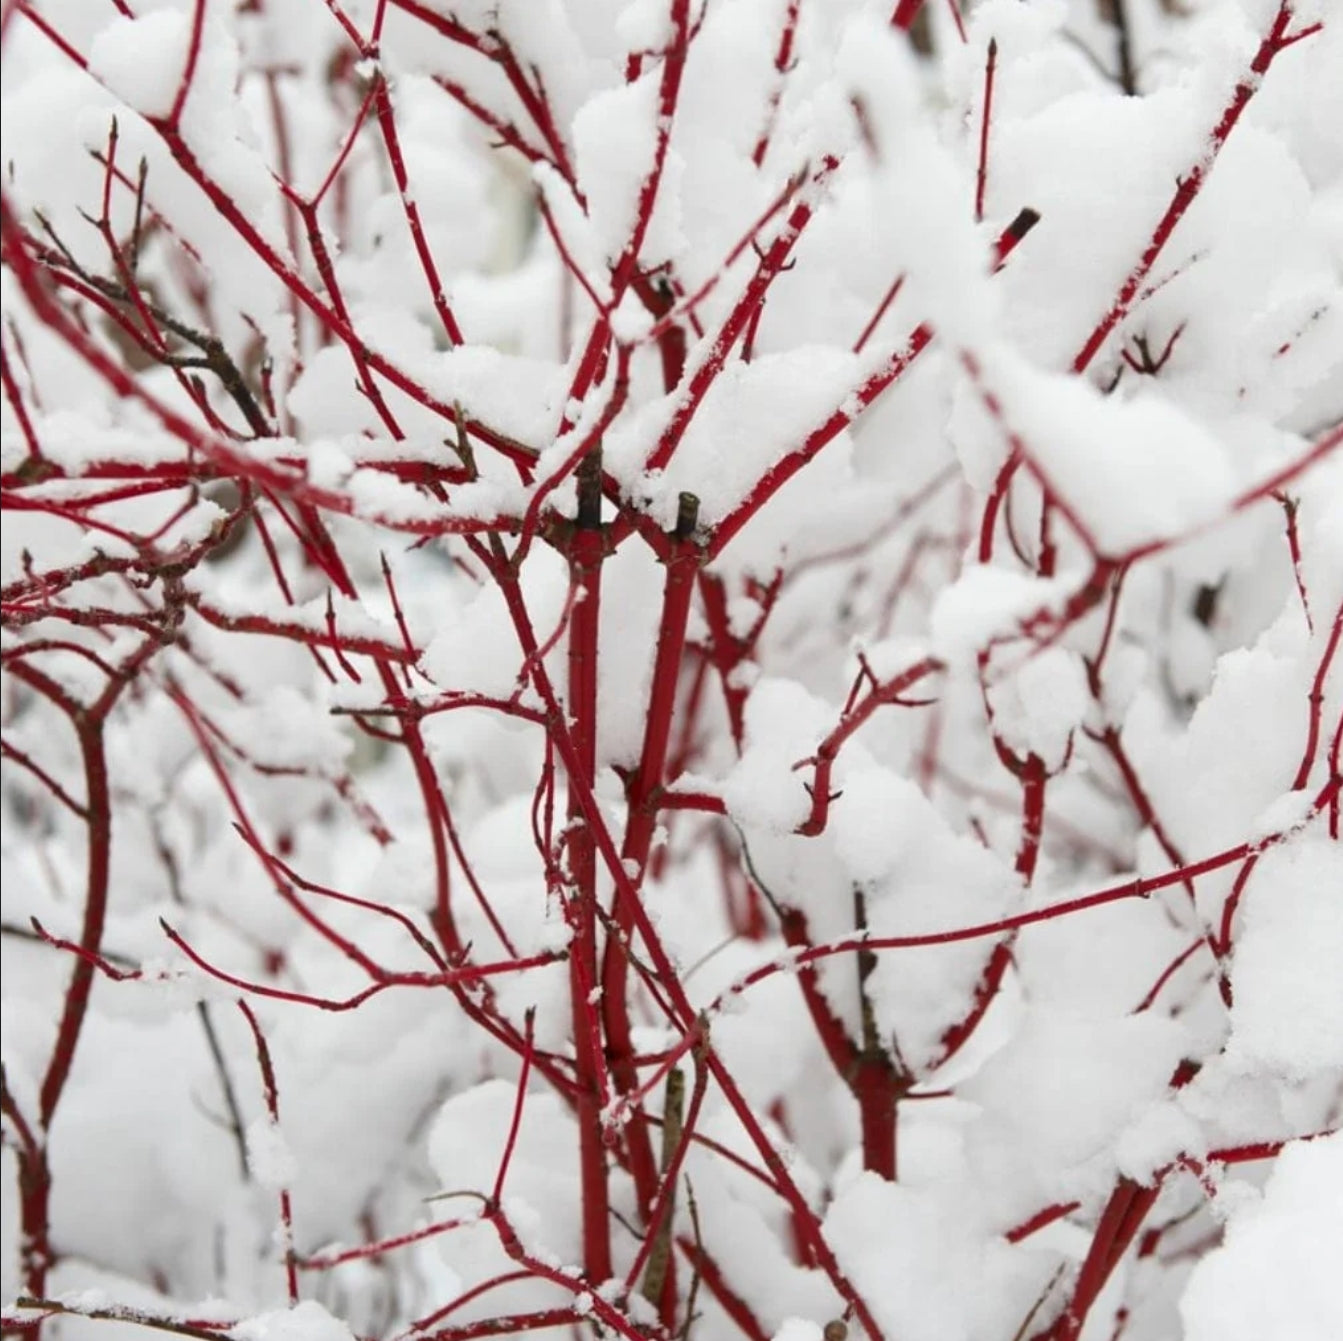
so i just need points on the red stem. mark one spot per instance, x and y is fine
(982, 172)
(668, 977)
(189, 73)
(98, 820)
(877, 1087)
(272, 1095)
(1124, 1213)
(1188, 187)
(708, 368)
(853, 718)
(387, 125)
(904, 14)
(585, 558)
(783, 62)
(642, 792)
(728, 1300)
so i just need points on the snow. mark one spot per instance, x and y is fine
(519, 396)
(986, 603)
(290, 731)
(752, 415)
(1287, 1012)
(1060, 961)
(1135, 470)
(631, 598)
(783, 725)
(1257, 749)
(630, 322)
(466, 1143)
(452, 833)
(575, 230)
(69, 438)
(329, 466)
(1288, 812)
(876, 823)
(269, 1159)
(886, 1236)
(756, 796)
(613, 142)
(739, 1222)
(307, 1321)
(1321, 536)
(142, 60)
(1067, 1084)
(798, 1329)
(946, 880)
(1039, 706)
(918, 183)
(1160, 1136)
(754, 1031)
(477, 649)
(1099, 169)
(1274, 1278)
(351, 618)
(642, 25)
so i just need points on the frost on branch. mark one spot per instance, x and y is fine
(671, 669)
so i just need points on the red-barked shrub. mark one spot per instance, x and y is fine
(671, 669)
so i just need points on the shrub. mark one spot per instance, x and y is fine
(671, 669)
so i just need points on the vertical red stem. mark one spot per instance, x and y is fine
(585, 560)
(98, 808)
(877, 1089)
(682, 567)
(982, 172)
(904, 14)
(1119, 1224)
